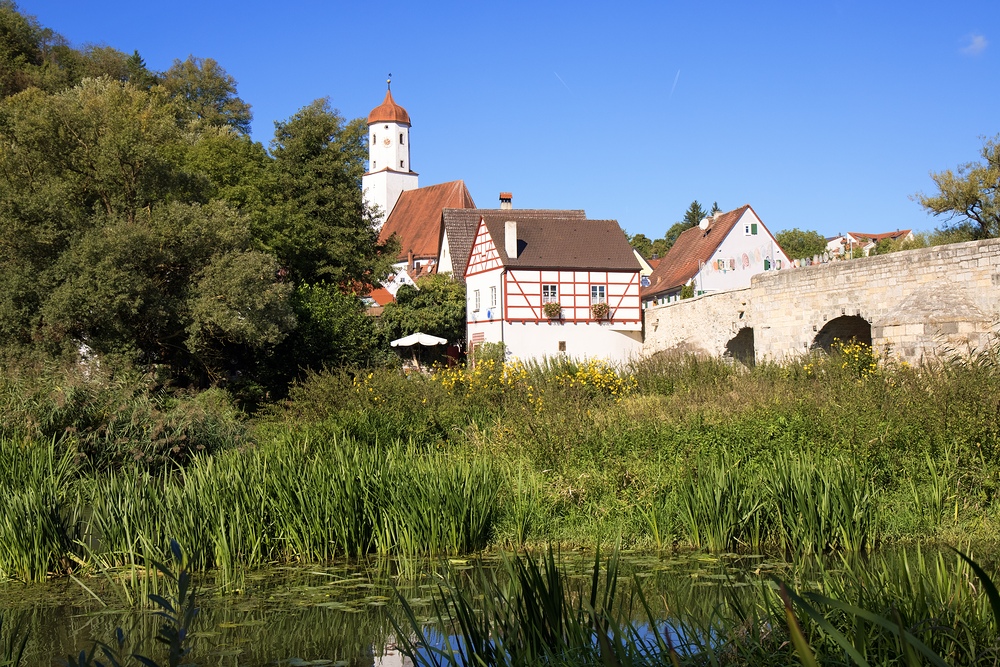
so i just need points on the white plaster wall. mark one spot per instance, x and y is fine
(537, 340)
(743, 256)
(384, 156)
(383, 188)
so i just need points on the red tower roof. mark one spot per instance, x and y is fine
(389, 112)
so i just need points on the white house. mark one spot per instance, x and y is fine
(720, 254)
(845, 244)
(519, 263)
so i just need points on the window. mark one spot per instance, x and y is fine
(767, 264)
(753, 229)
(493, 297)
(562, 346)
(597, 294)
(550, 293)
(400, 137)
(373, 165)
(374, 139)
(400, 164)
(475, 301)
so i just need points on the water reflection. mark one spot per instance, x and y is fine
(341, 615)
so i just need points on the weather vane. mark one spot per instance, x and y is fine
(388, 82)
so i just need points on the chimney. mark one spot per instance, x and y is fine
(510, 238)
(505, 198)
(409, 263)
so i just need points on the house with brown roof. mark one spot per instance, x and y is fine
(846, 244)
(459, 227)
(720, 254)
(547, 285)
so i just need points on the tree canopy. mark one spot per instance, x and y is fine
(138, 218)
(798, 243)
(970, 196)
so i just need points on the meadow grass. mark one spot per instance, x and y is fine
(828, 453)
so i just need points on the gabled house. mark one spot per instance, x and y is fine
(720, 254)
(847, 243)
(459, 227)
(546, 286)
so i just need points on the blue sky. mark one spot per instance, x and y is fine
(824, 116)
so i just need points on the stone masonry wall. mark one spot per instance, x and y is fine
(920, 304)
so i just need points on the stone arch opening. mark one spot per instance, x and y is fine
(740, 347)
(845, 329)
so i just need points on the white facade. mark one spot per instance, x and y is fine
(505, 304)
(747, 250)
(389, 173)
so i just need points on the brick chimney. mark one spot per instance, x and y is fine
(409, 263)
(510, 238)
(505, 199)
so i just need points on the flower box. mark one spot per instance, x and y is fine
(552, 310)
(599, 310)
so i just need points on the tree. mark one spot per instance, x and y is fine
(971, 194)
(436, 307)
(694, 214)
(798, 243)
(205, 95)
(318, 224)
(641, 244)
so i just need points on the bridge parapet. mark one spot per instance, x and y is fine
(917, 305)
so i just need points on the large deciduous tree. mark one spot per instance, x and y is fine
(798, 243)
(319, 225)
(971, 194)
(204, 95)
(436, 307)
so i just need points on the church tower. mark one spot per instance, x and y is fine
(389, 172)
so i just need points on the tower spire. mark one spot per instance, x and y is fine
(388, 82)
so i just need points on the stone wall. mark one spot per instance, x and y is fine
(916, 305)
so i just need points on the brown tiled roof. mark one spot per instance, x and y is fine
(381, 296)
(553, 242)
(416, 217)
(691, 249)
(389, 112)
(461, 226)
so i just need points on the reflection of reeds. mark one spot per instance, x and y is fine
(930, 611)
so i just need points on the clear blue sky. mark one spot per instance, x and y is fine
(824, 116)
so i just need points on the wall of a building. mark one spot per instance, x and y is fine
(920, 304)
(742, 255)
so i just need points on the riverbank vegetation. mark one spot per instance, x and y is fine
(830, 453)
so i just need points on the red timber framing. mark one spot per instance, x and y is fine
(523, 294)
(483, 256)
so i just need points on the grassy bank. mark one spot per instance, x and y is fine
(829, 453)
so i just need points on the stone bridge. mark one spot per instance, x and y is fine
(914, 305)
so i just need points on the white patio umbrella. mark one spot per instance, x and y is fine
(418, 339)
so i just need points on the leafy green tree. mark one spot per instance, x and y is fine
(32, 56)
(204, 95)
(436, 307)
(970, 194)
(641, 244)
(798, 243)
(319, 225)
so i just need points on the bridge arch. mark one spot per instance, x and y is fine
(844, 328)
(741, 348)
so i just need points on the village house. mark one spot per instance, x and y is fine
(846, 244)
(546, 285)
(722, 253)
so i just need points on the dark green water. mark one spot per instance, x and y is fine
(340, 615)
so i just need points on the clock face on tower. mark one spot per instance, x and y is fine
(387, 141)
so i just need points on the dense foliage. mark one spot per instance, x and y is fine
(138, 219)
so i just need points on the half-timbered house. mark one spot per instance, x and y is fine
(545, 286)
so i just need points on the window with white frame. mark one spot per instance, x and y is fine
(493, 297)
(550, 293)
(597, 294)
(475, 301)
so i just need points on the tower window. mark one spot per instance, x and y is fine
(387, 127)
(400, 164)
(373, 165)
(401, 137)
(374, 138)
